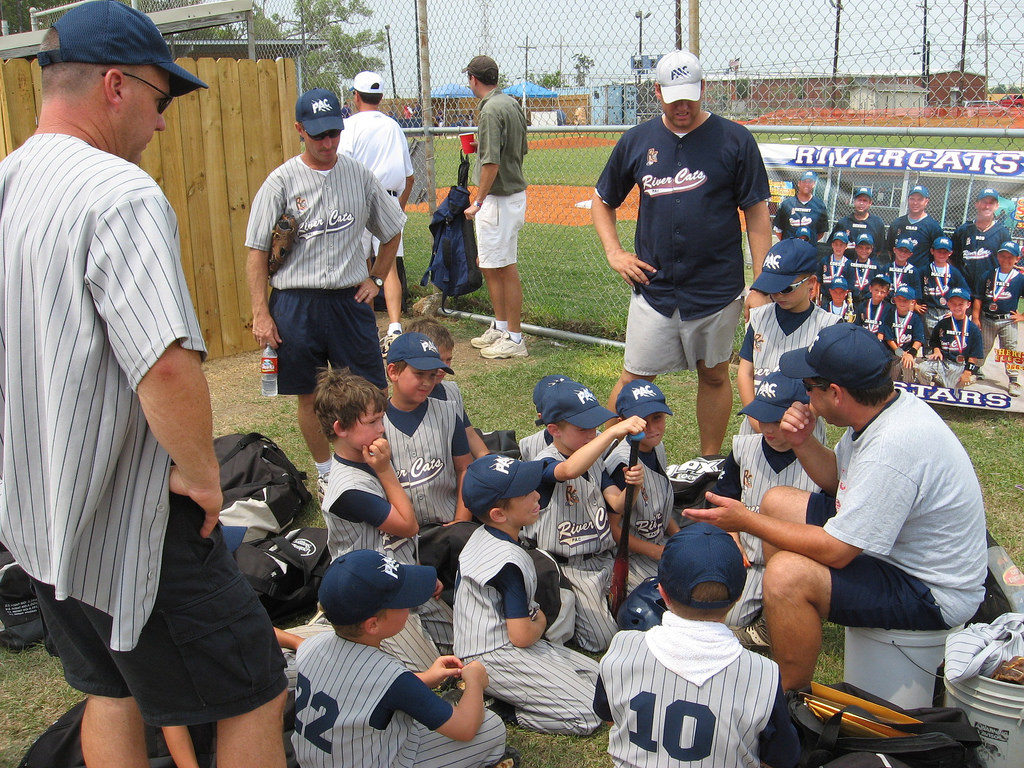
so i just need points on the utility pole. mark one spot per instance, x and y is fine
(391, 58)
(835, 56)
(526, 67)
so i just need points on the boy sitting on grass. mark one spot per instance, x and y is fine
(531, 445)
(903, 333)
(497, 618)
(956, 346)
(356, 705)
(686, 692)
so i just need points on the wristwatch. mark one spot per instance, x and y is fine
(378, 281)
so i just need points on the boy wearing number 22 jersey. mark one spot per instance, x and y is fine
(712, 705)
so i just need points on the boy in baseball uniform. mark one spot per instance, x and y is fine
(903, 333)
(356, 705)
(651, 521)
(574, 526)
(498, 620)
(939, 277)
(839, 304)
(429, 451)
(790, 321)
(531, 445)
(876, 311)
(863, 270)
(836, 265)
(755, 464)
(902, 271)
(956, 346)
(686, 692)
(365, 506)
(995, 310)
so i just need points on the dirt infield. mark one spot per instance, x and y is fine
(556, 204)
(571, 142)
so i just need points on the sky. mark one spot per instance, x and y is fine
(787, 36)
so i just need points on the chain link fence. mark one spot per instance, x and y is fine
(928, 75)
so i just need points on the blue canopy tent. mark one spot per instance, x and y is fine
(451, 91)
(530, 90)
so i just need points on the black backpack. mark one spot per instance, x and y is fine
(21, 624)
(453, 259)
(286, 571)
(263, 490)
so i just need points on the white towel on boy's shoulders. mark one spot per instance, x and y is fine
(694, 650)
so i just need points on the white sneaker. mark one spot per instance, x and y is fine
(503, 348)
(1015, 390)
(488, 337)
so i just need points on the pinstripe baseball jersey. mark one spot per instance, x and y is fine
(479, 623)
(92, 295)
(531, 445)
(340, 684)
(332, 208)
(377, 141)
(575, 520)
(423, 460)
(756, 477)
(454, 396)
(661, 720)
(652, 508)
(346, 535)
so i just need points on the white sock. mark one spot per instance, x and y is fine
(394, 328)
(323, 467)
(501, 325)
(516, 337)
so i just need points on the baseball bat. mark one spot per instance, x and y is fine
(620, 570)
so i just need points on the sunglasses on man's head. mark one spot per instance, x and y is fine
(331, 134)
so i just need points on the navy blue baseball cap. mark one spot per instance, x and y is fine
(958, 293)
(774, 395)
(839, 282)
(571, 401)
(864, 192)
(541, 388)
(881, 277)
(418, 351)
(785, 261)
(840, 235)
(803, 232)
(319, 110)
(361, 583)
(919, 189)
(845, 354)
(809, 176)
(988, 192)
(865, 238)
(492, 478)
(905, 243)
(641, 398)
(942, 244)
(1011, 248)
(698, 553)
(905, 292)
(108, 32)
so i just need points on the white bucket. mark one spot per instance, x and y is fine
(900, 665)
(996, 709)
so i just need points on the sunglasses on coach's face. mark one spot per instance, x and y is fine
(331, 134)
(161, 104)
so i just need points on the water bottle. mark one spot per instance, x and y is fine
(1008, 576)
(268, 371)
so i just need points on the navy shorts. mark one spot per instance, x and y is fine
(319, 327)
(870, 592)
(208, 651)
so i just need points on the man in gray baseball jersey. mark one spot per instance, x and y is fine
(320, 308)
(499, 208)
(377, 141)
(100, 353)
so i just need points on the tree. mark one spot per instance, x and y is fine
(582, 64)
(347, 52)
(550, 80)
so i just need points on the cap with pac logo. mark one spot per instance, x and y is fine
(905, 243)
(774, 395)
(865, 238)
(786, 260)
(571, 401)
(919, 189)
(809, 176)
(319, 110)
(839, 283)
(840, 235)
(492, 478)
(1011, 248)
(418, 351)
(803, 233)
(641, 398)
(864, 192)
(905, 291)
(679, 74)
(942, 244)
(988, 192)
(361, 583)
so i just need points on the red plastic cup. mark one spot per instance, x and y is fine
(468, 142)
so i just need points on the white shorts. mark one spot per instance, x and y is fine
(497, 229)
(656, 344)
(371, 245)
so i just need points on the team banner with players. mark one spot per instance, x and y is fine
(954, 177)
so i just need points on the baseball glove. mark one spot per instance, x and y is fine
(283, 236)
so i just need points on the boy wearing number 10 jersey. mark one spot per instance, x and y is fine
(712, 705)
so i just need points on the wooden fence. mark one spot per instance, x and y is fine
(219, 146)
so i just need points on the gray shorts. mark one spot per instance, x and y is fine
(656, 344)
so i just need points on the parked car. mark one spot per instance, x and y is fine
(1012, 100)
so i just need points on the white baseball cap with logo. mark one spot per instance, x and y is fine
(367, 82)
(679, 75)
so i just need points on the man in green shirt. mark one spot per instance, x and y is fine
(499, 208)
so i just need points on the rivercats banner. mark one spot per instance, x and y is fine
(953, 177)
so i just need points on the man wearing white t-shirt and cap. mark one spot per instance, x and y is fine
(377, 141)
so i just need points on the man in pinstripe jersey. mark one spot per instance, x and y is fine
(102, 389)
(321, 308)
